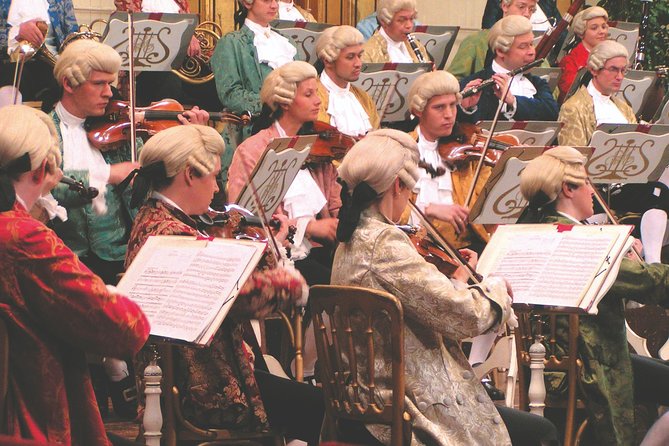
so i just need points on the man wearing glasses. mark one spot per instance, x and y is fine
(594, 104)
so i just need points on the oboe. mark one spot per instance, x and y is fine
(488, 82)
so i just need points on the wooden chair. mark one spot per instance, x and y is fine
(364, 326)
(177, 429)
(530, 326)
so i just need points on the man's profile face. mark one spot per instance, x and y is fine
(521, 52)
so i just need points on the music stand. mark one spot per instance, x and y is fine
(635, 89)
(381, 79)
(438, 41)
(161, 40)
(305, 35)
(550, 74)
(275, 172)
(529, 133)
(628, 153)
(662, 113)
(500, 201)
(625, 33)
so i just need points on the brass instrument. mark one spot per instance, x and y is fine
(197, 69)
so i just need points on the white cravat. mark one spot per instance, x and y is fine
(22, 11)
(164, 6)
(539, 20)
(288, 11)
(273, 49)
(520, 86)
(303, 201)
(606, 110)
(79, 155)
(397, 51)
(438, 190)
(346, 112)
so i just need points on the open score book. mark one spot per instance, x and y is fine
(557, 265)
(187, 286)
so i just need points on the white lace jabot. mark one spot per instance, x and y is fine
(346, 112)
(273, 49)
(288, 11)
(397, 51)
(606, 110)
(438, 190)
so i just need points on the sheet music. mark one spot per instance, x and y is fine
(182, 289)
(549, 267)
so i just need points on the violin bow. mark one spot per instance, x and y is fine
(450, 250)
(479, 165)
(131, 88)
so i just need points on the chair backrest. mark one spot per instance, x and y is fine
(438, 41)
(357, 329)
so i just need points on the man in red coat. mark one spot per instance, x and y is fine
(54, 307)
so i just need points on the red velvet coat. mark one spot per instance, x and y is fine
(570, 64)
(56, 309)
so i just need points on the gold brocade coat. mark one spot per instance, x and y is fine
(578, 116)
(376, 50)
(308, 16)
(365, 100)
(462, 179)
(447, 404)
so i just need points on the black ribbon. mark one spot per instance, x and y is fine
(352, 207)
(144, 177)
(7, 193)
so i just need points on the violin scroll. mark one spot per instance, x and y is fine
(87, 193)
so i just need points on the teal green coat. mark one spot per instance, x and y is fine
(84, 232)
(606, 376)
(239, 75)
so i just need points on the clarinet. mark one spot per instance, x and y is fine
(414, 46)
(640, 54)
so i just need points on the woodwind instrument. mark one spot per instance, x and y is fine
(490, 82)
(416, 50)
(640, 53)
(551, 37)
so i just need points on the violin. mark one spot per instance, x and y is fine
(430, 251)
(111, 130)
(87, 193)
(466, 144)
(331, 143)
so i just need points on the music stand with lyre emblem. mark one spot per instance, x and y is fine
(438, 41)
(388, 85)
(305, 35)
(275, 172)
(625, 33)
(500, 201)
(529, 133)
(160, 40)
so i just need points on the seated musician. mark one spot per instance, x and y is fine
(218, 383)
(446, 402)
(595, 104)
(289, 10)
(290, 100)
(434, 98)
(543, 17)
(241, 62)
(55, 309)
(37, 22)
(473, 54)
(591, 26)
(558, 191)
(344, 105)
(529, 98)
(389, 43)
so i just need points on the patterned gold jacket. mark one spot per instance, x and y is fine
(447, 404)
(376, 50)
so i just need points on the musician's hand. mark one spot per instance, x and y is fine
(30, 32)
(454, 214)
(51, 179)
(194, 47)
(194, 116)
(509, 291)
(470, 256)
(471, 101)
(501, 81)
(324, 229)
(281, 233)
(120, 171)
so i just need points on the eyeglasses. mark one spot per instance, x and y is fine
(616, 70)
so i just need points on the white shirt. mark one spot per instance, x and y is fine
(539, 20)
(78, 154)
(288, 11)
(520, 86)
(397, 51)
(606, 110)
(346, 112)
(437, 190)
(21, 11)
(303, 201)
(273, 49)
(164, 6)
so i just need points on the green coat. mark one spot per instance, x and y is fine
(85, 232)
(239, 75)
(470, 57)
(606, 376)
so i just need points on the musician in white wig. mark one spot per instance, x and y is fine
(389, 43)
(592, 27)
(558, 191)
(529, 98)
(343, 105)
